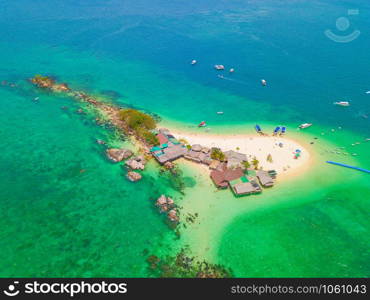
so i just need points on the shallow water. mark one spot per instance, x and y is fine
(59, 221)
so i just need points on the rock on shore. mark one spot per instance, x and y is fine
(133, 176)
(167, 205)
(118, 155)
(136, 163)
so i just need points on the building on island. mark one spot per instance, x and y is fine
(264, 178)
(199, 154)
(169, 148)
(221, 178)
(245, 188)
(229, 173)
(235, 159)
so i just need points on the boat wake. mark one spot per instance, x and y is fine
(232, 79)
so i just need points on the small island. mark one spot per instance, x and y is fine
(242, 173)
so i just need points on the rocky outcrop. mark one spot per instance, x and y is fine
(118, 155)
(173, 216)
(136, 163)
(165, 203)
(100, 142)
(133, 176)
(169, 165)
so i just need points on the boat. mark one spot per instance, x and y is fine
(193, 62)
(202, 124)
(263, 82)
(220, 112)
(221, 76)
(368, 92)
(232, 70)
(219, 67)
(342, 103)
(276, 131)
(258, 128)
(305, 125)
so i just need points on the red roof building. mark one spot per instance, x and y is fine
(222, 178)
(162, 139)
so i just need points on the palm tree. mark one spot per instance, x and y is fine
(255, 163)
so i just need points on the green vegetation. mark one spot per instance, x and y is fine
(137, 120)
(141, 124)
(246, 164)
(255, 163)
(184, 141)
(49, 83)
(43, 81)
(217, 154)
(148, 137)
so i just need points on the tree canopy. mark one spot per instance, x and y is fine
(217, 154)
(141, 123)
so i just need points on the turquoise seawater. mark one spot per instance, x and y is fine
(57, 220)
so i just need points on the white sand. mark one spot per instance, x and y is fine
(256, 146)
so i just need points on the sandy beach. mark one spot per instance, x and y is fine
(283, 160)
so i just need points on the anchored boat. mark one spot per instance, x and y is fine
(202, 124)
(219, 67)
(263, 82)
(276, 131)
(258, 128)
(342, 103)
(193, 62)
(305, 125)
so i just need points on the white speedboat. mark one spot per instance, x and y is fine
(219, 67)
(263, 82)
(193, 62)
(368, 92)
(342, 103)
(220, 112)
(305, 125)
(232, 70)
